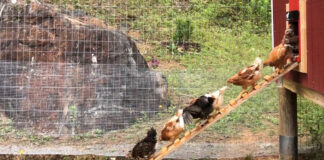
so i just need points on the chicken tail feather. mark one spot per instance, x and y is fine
(187, 117)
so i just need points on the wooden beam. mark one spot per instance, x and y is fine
(287, 9)
(287, 124)
(307, 93)
(303, 36)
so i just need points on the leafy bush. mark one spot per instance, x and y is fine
(183, 31)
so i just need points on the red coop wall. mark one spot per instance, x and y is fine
(314, 78)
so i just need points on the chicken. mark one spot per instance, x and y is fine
(292, 40)
(146, 147)
(173, 128)
(203, 106)
(278, 57)
(247, 77)
(219, 98)
(285, 50)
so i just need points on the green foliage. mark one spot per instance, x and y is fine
(311, 123)
(173, 48)
(184, 30)
(36, 139)
(73, 117)
(255, 15)
(220, 14)
(98, 132)
(73, 113)
(6, 127)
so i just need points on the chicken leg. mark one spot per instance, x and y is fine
(240, 95)
(171, 142)
(251, 89)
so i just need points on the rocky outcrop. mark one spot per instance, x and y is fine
(65, 72)
(52, 35)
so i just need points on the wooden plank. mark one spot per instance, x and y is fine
(214, 117)
(287, 106)
(303, 36)
(287, 9)
(307, 93)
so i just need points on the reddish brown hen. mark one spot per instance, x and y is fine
(173, 128)
(280, 54)
(247, 77)
(278, 57)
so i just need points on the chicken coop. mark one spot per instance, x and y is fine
(306, 80)
(93, 79)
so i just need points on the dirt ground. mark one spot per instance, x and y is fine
(92, 157)
(207, 145)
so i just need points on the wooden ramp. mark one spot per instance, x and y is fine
(214, 117)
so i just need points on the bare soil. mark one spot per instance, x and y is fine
(92, 157)
(207, 145)
(170, 65)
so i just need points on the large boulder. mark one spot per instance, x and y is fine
(65, 72)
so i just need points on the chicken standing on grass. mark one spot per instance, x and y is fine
(203, 106)
(173, 128)
(146, 147)
(247, 77)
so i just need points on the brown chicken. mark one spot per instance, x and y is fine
(247, 77)
(291, 39)
(173, 128)
(280, 54)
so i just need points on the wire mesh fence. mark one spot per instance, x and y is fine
(93, 76)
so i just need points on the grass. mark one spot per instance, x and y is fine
(311, 123)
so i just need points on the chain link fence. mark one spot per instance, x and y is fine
(91, 77)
